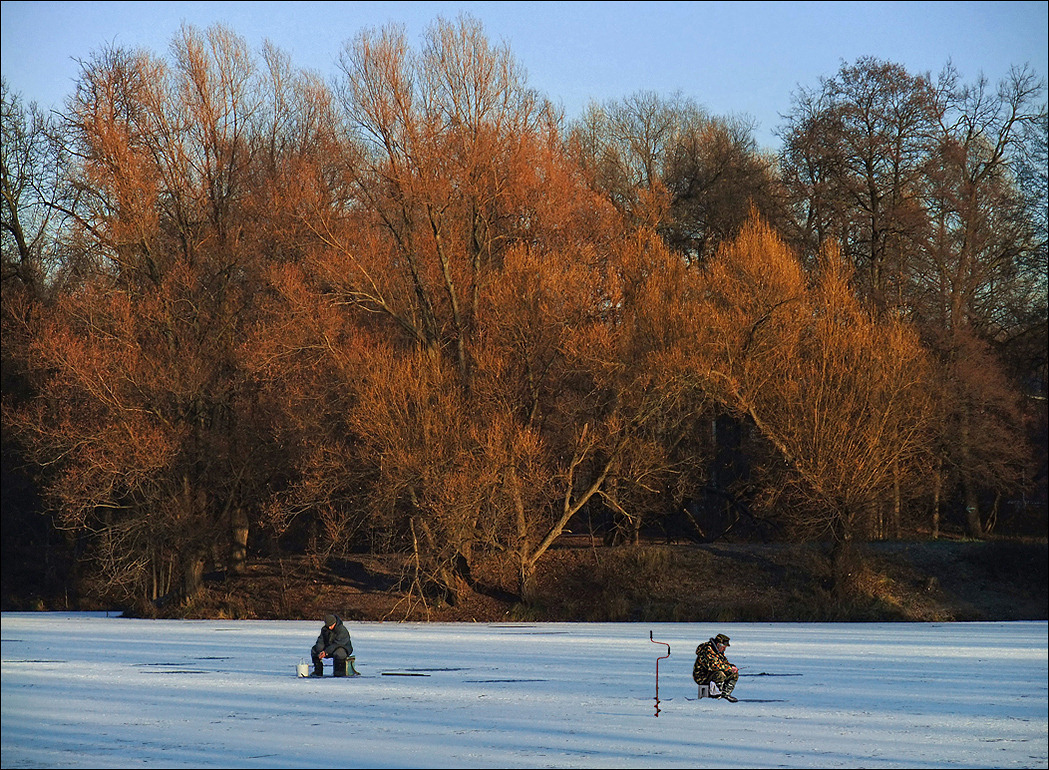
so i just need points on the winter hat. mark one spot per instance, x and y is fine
(721, 639)
(329, 620)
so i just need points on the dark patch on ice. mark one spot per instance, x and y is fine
(763, 673)
(491, 681)
(36, 661)
(157, 663)
(538, 633)
(402, 673)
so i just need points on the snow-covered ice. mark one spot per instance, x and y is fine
(87, 690)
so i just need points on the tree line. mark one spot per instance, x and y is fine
(415, 310)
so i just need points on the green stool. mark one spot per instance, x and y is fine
(340, 667)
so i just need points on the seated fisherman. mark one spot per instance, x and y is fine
(712, 666)
(333, 642)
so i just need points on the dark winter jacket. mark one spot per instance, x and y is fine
(709, 661)
(331, 639)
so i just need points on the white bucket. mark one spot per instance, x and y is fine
(302, 669)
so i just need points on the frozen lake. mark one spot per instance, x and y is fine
(87, 690)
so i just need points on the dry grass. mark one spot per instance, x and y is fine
(931, 581)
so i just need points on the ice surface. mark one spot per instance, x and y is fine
(88, 690)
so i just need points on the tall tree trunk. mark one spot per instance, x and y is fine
(973, 525)
(897, 524)
(843, 554)
(239, 551)
(936, 492)
(192, 574)
(972, 507)
(568, 509)
(524, 574)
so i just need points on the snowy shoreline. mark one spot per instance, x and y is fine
(87, 690)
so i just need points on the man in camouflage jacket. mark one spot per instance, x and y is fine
(712, 666)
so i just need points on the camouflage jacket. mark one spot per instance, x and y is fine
(709, 660)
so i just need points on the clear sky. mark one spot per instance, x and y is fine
(732, 58)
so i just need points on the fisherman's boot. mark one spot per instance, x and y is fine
(726, 691)
(338, 666)
(318, 667)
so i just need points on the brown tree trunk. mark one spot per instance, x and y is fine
(192, 575)
(239, 551)
(843, 554)
(936, 492)
(973, 526)
(568, 509)
(897, 524)
(972, 508)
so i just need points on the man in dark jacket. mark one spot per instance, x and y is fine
(712, 666)
(333, 642)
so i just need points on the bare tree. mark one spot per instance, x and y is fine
(625, 147)
(979, 269)
(32, 164)
(856, 156)
(715, 177)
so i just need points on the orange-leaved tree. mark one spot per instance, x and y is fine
(585, 369)
(843, 395)
(475, 318)
(144, 412)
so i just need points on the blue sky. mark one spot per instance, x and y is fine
(744, 58)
